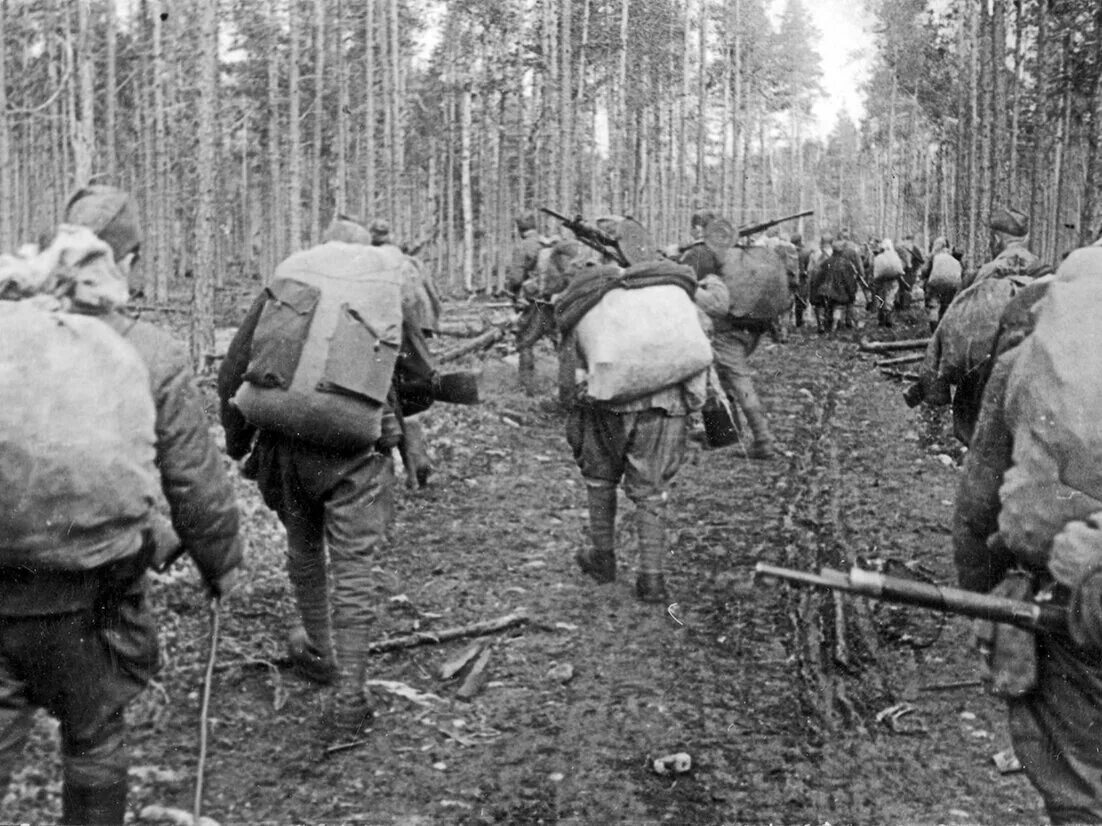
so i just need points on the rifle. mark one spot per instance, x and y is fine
(591, 236)
(1045, 618)
(754, 229)
(720, 234)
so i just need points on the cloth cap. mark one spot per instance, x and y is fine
(1010, 221)
(379, 227)
(795, 238)
(109, 213)
(526, 221)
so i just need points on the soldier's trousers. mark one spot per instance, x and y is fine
(937, 300)
(83, 667)
(336, 509)
(732, 349)
(1055, 728)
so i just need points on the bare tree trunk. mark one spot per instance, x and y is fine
(701, 102)
(317, 150)
(110, 126)
(622, 112)
(1016, 105)
(294, 128)
(343, 105)
(999, 98)
(7, 233)
(162, 260)
(206, 228)
(1089, 212)
(465, 186)
(277, 195)
(370, 109)
(567, 155)
(1039, 120)
(1055, 211)
(973, 140)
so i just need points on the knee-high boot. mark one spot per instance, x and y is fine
(599, 561)
(747, 398)
(650, 584)
(310, 644)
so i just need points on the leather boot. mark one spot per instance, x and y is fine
(747, 398)
(93, 806)
(599, 561)
(308, 661)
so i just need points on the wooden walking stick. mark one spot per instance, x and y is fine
(215, 622)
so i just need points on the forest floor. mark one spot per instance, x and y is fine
(774, 693)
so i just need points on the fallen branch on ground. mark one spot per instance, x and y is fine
(908, 359)
(899, 374)
(475, 629)
(888, 346)
(487, 339)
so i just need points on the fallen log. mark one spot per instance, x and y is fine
(487, 339)
(908, 359)
(475, 629)
(888, 346)
(899, 374)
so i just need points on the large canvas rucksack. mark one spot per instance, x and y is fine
(76, 439)
(640, 340)
(1053, 399)
(323, 352)
(757, 278)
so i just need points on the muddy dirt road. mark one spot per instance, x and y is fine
(774, 694)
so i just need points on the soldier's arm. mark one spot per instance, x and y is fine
(980, 559)
(231, 374)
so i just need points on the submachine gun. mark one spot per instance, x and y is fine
(631, 245)
(721, 233)
(1041, 617)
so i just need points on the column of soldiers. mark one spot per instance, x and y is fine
(81, 643)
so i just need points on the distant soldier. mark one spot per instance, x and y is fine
(800, 294)
(522, 280)
(1009, 248)
(960, 343)
(941, 279)
(854, 253)
(733, 341)
(696, 253)
(913, 260)
(887, 273)
(834, 286)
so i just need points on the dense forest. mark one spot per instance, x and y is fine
(242, 126)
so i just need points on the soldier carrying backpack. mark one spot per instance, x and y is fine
(96, 426)
(312, 390)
